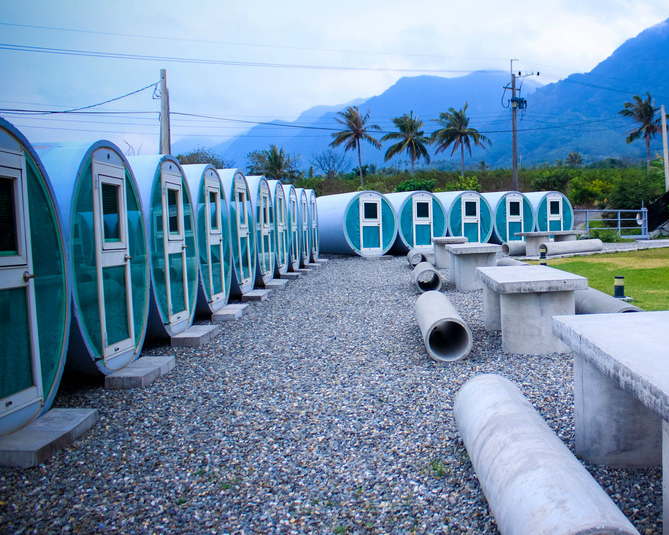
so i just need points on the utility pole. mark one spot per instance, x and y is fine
(165, 137)
(517, 103)
(664, 146)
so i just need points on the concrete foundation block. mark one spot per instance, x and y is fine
(276, 284)
(492, 310)
(291, 275)
(229, 313)
(39, 440)
(195, 335)
(140, 373)
(322, 260)
(303, 271)
(311, 265)
(256, 295)
(382, 257)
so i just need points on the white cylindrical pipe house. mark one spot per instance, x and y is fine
(362, 223)
(552, 210)
(303, 225)
(213, 236)
(242, 231)
(292, 204)
(106, 238)
(34, 284)
(169, 216)
(511, 213)
(467, 214)
(314, 241)
(282, 227)
(420, 217)
(263, 212)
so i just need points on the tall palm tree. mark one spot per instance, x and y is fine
(455, 131)
(643, 112)
(411, 139)
(355, 131)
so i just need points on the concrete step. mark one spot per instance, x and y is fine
(276, 284)
(311, 265)
(230, 312)
(291, 275)
(140, 373)
(256, 295)
(195, 335)
(51, 432)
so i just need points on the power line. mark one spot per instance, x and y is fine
(228, 63)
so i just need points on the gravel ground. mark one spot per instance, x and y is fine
(317, 412)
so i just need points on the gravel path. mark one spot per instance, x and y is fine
(318, 412)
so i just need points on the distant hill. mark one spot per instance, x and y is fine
(578, 113)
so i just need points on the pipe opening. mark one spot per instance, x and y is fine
(416, 258)
(428, 280)
(449, 341)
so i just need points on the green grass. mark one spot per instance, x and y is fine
(646, 274)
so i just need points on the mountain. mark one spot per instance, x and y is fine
(579, 113)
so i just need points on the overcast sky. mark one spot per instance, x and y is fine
(259, 60)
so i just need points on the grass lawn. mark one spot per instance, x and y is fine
(646, 274)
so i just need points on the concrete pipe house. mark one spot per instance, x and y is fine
(511, 213)
(34, 285)
(242, 231)
(213, 236)
(282, 227)
(263, 212)
(106, 240)
(552, 211)
(467, 214)
(362, 223)
(314, 241)
(303, 225)
(420, 217)
(295, 252)
(169, 216)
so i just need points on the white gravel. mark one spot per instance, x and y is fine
(317, 412)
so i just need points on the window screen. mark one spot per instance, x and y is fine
(514, 208)
(8, 230)
(371, 210)
(422, 209)
(555, 207)
(470, 208)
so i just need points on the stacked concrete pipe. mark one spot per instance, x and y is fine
(426, 277)
(532, 482)
(593, 301)
(573, 246)
(446, 336)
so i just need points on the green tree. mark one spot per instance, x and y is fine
(354, 132)
(574, 159)
(455, 131)
(643, 112)
(273, 163)
(411, 139)
(202, 155)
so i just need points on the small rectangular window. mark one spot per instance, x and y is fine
(8, 228)
(173, 210)
(111, 212)
(514, 208)
(371, 210)
(470, 209)
(555, 208)
(213, 210)
(422, 210)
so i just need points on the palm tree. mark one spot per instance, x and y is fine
(411, 139)
(574, 159)
(273, 163)
(455, 131)
(643, 112)
(355, 131)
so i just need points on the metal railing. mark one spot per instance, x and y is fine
(628, 223)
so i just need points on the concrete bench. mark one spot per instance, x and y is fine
(522, 301)
(465, 258)
(621, 389)
(533, 483)
(534, 239)
(441, 255)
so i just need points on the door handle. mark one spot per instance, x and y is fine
(27, 276)
(127, 257)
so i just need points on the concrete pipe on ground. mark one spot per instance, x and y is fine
(506, 261)
(426, 277)
(593, 301)
(447, 337)
(532, 482)
(415, 257)
(574, 246)
(515, 248)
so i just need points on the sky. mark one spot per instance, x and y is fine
(232, 64)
